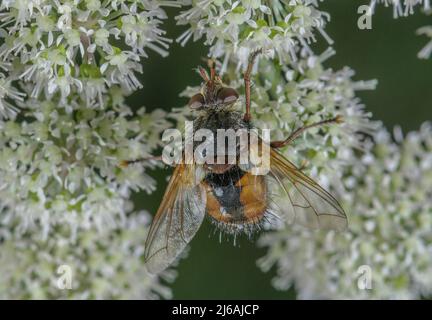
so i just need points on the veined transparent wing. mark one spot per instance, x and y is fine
(300, 199)
(177, 220)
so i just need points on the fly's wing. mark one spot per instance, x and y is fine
(300, 199)
(177, 220)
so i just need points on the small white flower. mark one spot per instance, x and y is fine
(8, 92)
(120, 69)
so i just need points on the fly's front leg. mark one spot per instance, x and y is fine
(246, 76)
(126, 163)
(299, 131)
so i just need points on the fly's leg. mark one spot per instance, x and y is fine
(246, 77)
(299, 131)
(126, 163)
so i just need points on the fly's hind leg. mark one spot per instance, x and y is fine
(299, 131)
(247, 84)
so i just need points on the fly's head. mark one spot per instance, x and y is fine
(213, 94)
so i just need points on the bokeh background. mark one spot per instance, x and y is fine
(387, 52)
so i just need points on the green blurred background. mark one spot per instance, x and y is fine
(388, 52)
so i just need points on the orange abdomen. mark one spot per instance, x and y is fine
(253, 196)
(236, 197)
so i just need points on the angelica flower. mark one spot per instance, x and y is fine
(60, 181)
(31, 267)
(51, 151)
(388, 196)
(50, 37)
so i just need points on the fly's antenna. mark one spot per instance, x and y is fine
(211, 63)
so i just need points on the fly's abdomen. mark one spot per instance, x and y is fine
(235, 196)
(253, 197)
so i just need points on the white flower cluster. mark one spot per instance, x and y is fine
(234, 29)
(387, 194)
(95, 265)
(60, 168)
(65, 69)
(66, 47)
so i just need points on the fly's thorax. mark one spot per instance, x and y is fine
(220, 118)
(220, 130)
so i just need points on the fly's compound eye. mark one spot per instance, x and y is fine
(196, 101)
(227, 96)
